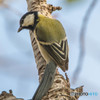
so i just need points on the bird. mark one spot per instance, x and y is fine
(52, 43)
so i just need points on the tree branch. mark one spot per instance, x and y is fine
(8, 96)
(60, 89)
(82, 40)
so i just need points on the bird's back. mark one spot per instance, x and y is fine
(52, 29)
(51, 35)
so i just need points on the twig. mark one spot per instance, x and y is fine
(82, 40)
(8, 96)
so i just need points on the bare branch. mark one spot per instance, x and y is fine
(60, 89)
(82, 40)
(8, 96)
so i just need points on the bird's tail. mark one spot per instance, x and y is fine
(46, 81)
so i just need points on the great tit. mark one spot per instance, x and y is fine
(52, 42)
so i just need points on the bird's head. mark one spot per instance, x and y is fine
(29, 21)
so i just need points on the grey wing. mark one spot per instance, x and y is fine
(58, 52)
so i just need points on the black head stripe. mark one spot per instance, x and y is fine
(36, 17)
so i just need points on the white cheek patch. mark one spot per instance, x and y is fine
(29, 20)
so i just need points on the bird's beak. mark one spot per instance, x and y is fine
(20, 29)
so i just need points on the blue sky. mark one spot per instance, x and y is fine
(17, 65)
